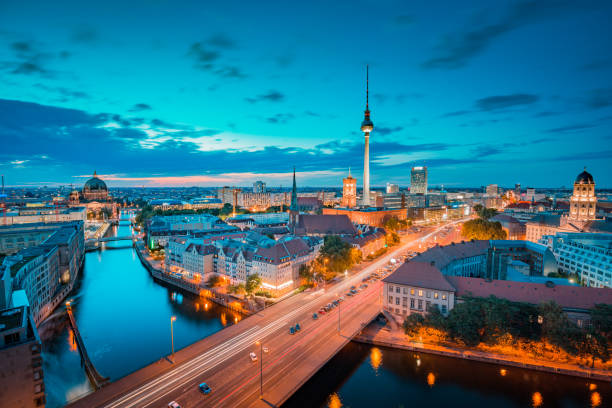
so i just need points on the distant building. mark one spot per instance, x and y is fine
(392, 188)
(259, 187)
(418, 180)
(349, 191)
(492, 190)
(514, 228)
(95, 198)
(394, 201)
(583, 201)
(370, 216)
(21, 371)
(204, 203)
(517, 191)
(45, 214)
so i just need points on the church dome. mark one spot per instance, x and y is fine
(584, 178)
(95, 184)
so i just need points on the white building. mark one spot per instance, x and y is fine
(416, 287)
(585, 254)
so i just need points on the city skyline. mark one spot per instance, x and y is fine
(483, 96)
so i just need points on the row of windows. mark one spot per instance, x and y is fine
(420, 292)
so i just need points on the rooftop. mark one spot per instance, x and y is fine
(419, 274)
(569, 297)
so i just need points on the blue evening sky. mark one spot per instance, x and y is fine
(173, 93)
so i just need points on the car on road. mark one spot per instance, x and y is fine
(298, 327)
(204, 388)
(174, 404)
(292, 330)
(321, 311)
(315, 316)
(265, 349)
(253, 356)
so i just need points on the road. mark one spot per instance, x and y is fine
(222, 359)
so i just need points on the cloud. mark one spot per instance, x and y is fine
(208, 54)
(599, 98)
(571, 128)
(281, 118)
(455, 113)
(600, 154)
(84, 34)
(64, 94)
(456, 49)
(139, 107)
(387, 130)
(270, 96)
(29, 59)
(498, 102)
(221, 40)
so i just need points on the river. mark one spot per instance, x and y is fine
(124, 318)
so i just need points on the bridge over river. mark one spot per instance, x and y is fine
(222, 359)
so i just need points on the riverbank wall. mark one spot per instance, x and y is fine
(209, 293)
(376, 335)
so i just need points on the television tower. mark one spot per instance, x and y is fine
(366, 128)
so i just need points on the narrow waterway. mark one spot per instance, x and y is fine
(364, 376)
(124, 318)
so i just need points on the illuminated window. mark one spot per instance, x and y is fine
(420, 293)
(435, 295)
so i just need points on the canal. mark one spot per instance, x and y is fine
(124, 318)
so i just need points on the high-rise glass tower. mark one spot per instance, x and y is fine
(418, 180)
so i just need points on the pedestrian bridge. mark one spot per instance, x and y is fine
(111, 239)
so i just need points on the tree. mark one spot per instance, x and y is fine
(413, 324)
(601, 320)
(253, 282)
(306, 274)
(392, 238)
(336, 256)
(481, 229)
(465, 322)
(214, 281)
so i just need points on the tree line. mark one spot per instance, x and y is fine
(496, 321)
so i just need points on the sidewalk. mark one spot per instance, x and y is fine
(377, 335)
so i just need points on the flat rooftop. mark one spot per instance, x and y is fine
(12, 318)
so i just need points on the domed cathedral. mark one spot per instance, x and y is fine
(95, 197)
(583, 202)
(95, 189)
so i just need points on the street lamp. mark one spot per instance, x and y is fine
(172, 319)
(260, 343)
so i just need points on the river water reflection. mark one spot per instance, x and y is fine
(363, 376)
(124, 318)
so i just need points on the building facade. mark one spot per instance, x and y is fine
(349, 191)
(21, 371)
(418, 180)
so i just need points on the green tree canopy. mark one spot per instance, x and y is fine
(253, 282)
(482, 229)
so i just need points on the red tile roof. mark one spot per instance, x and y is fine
(326, 224)
(568, 297)
(421, 275)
